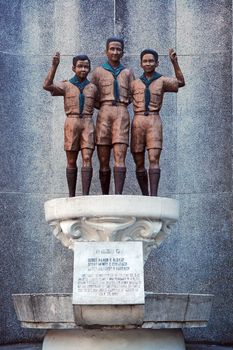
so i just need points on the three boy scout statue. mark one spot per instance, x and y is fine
(113, 82)
(113, 85)
(79, 98)
(147, 93)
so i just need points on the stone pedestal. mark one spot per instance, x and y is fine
(108, 234)
(111, 219)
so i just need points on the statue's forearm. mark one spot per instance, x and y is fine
(49, 79)
(179, 74)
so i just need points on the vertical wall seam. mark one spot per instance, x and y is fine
(114, 17)
(231, 100)
(177, 168)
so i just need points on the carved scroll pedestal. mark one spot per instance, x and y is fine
(154, 321)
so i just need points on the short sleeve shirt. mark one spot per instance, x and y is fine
(104, 82)
(157, 89)
(71, 97)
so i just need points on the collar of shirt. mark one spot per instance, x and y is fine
(78, 84)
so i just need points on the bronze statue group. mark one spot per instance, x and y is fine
(111, 89)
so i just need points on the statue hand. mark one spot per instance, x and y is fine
(172, 55)
(56, 59)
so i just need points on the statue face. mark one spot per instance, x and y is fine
(148, 63)
(114, 51)
(81, 69)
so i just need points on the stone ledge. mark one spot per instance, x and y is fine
(111, 206)
(55, 311)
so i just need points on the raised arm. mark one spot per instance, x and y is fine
(178, 73)
(48, 83)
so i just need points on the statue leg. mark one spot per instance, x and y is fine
(71, 171)
(104, 152)
(154, 170)
(87, 170)
(141, 173)
(119, 150)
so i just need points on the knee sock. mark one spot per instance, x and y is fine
(154, 176)
(71, 175)
(86, 179)
(119, 179)
(105, 177)
(143, 181)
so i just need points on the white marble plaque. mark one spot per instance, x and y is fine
(108, 273)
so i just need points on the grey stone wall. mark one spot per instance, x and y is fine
(196, 161)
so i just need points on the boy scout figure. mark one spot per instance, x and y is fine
(147, 93)
(79, 97)
(112, 127)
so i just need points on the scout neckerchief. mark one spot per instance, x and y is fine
(147, 82)
(81, 87)
(115, 72)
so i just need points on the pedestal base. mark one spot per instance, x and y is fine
(135, 339)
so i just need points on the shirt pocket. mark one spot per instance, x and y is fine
(138, 95)
(156, 96)
(124, 91)
(71, 99)
(106, 86)
(89, 100)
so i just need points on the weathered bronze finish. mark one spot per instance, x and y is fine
(147, 93)
(112, 127)
(79, 98)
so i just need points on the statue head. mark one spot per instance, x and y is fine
(151, 52)
(114, 50)
(149, 60)
(115, 39)
(81, 66)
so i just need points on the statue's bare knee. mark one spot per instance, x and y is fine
(87, 157)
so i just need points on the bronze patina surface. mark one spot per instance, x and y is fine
(79, 127)
(112, 127)
(147, 93)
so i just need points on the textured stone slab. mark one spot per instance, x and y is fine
(25, 250)
(204, 130)
(161, 311)
(203, 26)
(92, 22)
(203, 235)
(44, 308)
(177, 307)
(25, 145)
(134, 16)
(26, 27)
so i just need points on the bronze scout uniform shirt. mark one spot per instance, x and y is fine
(78, 129)
(147, 129)
(112, 124)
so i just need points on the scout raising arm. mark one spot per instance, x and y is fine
(79, 98)
(147, 93)
(48, 83)
(178, 73)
